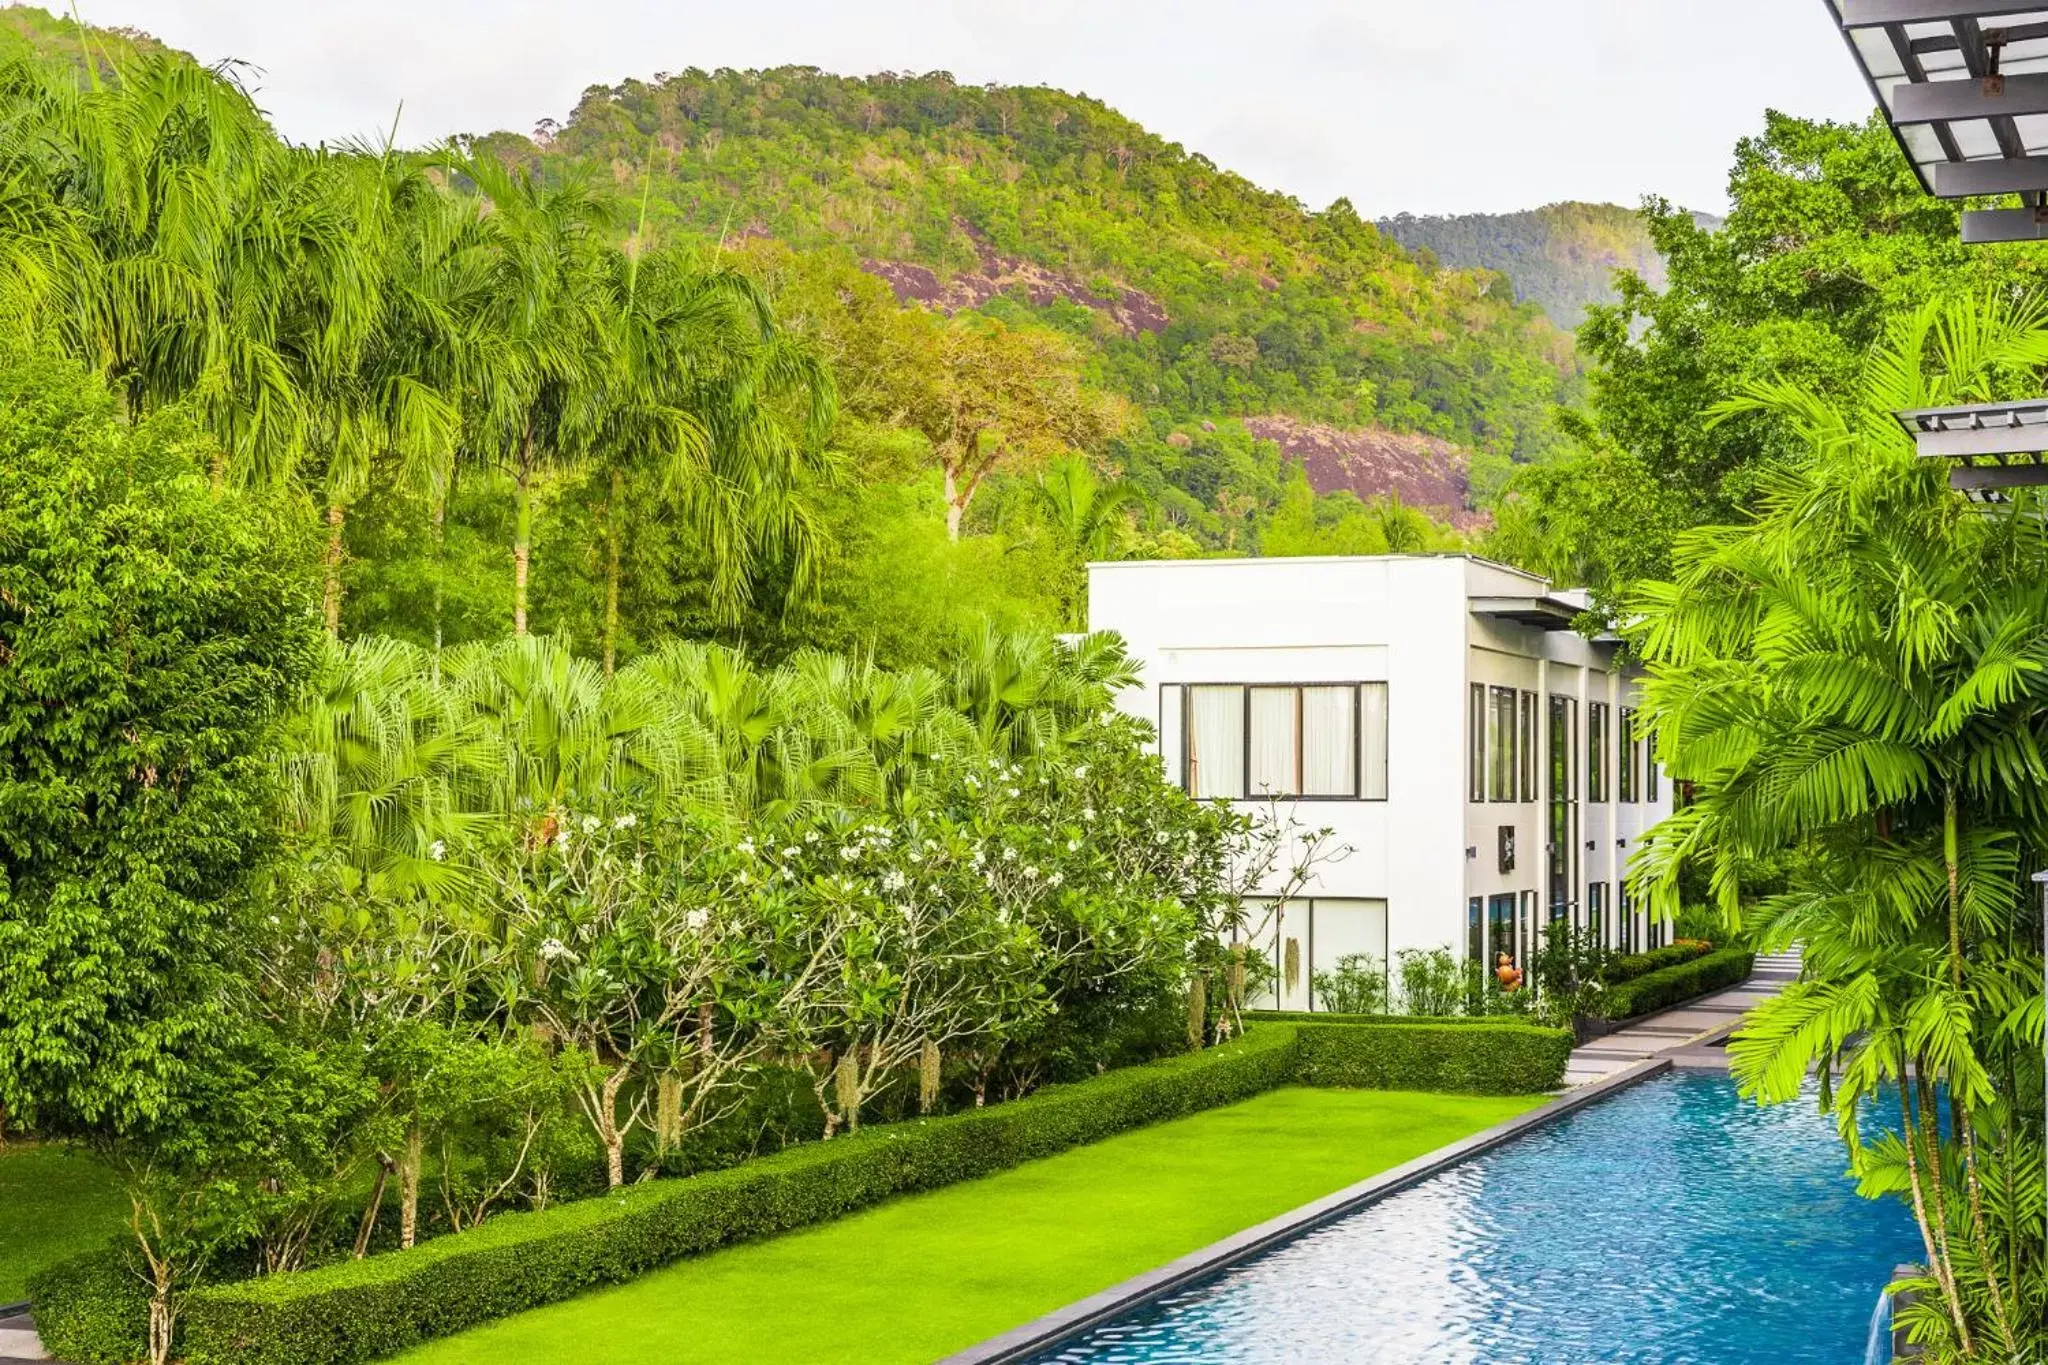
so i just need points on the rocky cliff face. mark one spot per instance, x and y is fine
(1132, 311)
(1427, 472)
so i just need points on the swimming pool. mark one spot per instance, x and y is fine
(1672, 1222)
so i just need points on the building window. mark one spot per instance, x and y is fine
(1596, 751)
(1372, 741)
(1596, 913)
(1304, 741)
(1649, 765)
(1500, 744)
(1630, 755)
(1564, 807)
(1475, 930)
(1322, 741)
(1215, 741)
(1526, 741)
(1475, 757)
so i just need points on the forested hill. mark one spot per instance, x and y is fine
(1561, 257)
(1197, 293)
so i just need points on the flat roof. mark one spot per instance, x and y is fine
(1964, 84)
(1318, 559)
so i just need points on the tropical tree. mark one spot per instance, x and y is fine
(1861, 675)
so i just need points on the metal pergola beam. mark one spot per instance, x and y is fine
(1979, 478)
(2007, 175)
(1988, 227)
(1879, 13)
(1957, 101)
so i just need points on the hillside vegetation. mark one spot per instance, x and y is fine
(1191, 291)
(1561, 257)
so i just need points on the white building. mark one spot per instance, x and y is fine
(1438, 712)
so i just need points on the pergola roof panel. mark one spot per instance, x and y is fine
(1963, 82)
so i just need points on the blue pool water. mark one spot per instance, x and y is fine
(1672, 1222)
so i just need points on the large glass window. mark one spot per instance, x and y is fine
(1500, 744)
(1475, 739)
(1596, 913)
(1216, 741)
(1372, 741)
(1564, 807)
(1500, 926)
(1526, 744)
(1596, 751)
(1649, 765)
(1475, 930)
(1630, 755)
(1327, 740)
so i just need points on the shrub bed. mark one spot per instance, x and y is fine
(1480, 1057)
(1633, 965)
(1324, 1017)
(1662, 989)
(91, 1309)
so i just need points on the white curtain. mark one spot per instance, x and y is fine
(1372, 741)
(1329, 750)
(1172, 709)
(1216, 741)
(1273, 768)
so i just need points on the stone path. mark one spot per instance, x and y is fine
(1693, 1035)
(18, 1343)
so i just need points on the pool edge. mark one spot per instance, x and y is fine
(1062, 1324)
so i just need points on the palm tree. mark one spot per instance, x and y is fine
(1861, 675)
(541, 352)
(1084, 515)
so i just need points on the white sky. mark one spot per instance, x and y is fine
(1429, 106)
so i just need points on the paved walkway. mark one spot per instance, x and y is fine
(18, 1341)
(1694, 1035)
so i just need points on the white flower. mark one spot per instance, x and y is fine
(1013, 791)
(1080, 770)
(850, 852)
(1030, 873)
(979, 858)
(697, 919)
(1159, 838)
(742, 877)
(437, 850)
(590, 823)
(746, 845)
(552, 948)
(811, 837)
(626, 821)
(894, 880)
(1054, 880)
(1073, 845)
(1009, 855)
(562, 839)
(914, 856)
(1087, 812)
(789, 853)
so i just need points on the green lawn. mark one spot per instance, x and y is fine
(52, 1203)
(920, 1277)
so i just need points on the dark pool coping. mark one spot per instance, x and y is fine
(1062, 1324)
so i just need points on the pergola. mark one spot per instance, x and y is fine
(1964, 84)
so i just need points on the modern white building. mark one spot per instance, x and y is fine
(1479, 757)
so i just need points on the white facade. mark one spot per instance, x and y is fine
(1510, 794)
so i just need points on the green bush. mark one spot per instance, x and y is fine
(360, 1310)
(1633, 965)
(1481, 1057)
(1662, 989)
(1332, 1017)
(92, 1309)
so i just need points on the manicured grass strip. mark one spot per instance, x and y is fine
(53, 1204)
(919, 1277)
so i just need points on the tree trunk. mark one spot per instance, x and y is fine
(958, 495)
(409, 1185)
(440, 540)
(368, 1227)
(928, 1077)
(846, 1088)
(331, 566)
(614, 510)
(1198, 1013)
(522, 531)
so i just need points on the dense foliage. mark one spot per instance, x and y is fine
(1857, 674)
(1561, 257)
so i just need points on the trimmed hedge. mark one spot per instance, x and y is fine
(1633, 965)
(91, 1311)
(1325, 1017)
(1480, 1057)
(1662, 989)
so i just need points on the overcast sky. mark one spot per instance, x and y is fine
(1429, 106)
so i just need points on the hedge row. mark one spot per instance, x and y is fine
(1632, 965)
(1486, 1057)
(1327, 1017)
(1662, 989)
(89, 1310)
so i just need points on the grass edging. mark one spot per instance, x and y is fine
(1056, 1328)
